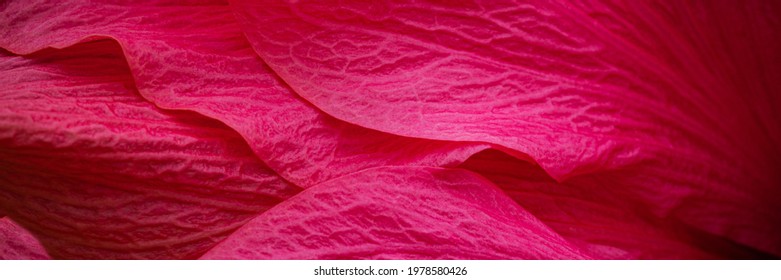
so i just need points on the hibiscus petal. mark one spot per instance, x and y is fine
(95, 171)
(206, 65)
(681, 97)
(594, 213)
(397, 213)
(16, 243)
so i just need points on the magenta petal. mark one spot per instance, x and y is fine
(397, 213)
(680, 97)
(655, 120)
(95, 171)
(16, 243)
(595, 213)
(207, 66)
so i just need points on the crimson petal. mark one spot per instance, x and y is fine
(95, 171)
(207, 66)
(595, 213)
(397, 213)
(16, 243)
(680, 98)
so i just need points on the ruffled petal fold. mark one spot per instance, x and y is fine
(206, 65)
(679, 97)
(397, 213)
(96, 172)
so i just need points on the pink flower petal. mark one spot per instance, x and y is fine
(680, 98)
(595, 213)
(95, 171)
(663, 113)
(16, 243)
(194, 56)
(397, 213)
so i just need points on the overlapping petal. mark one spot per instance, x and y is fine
(192, 55)
(154, 129)
(598, 215)
(676, 100)
(398, 213)
(95, 171)
(16, 243)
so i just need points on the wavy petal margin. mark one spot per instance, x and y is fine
(95, 171)
(207, 66)
(680, 96)
(397, 213)
(649, 120)
(596, 214)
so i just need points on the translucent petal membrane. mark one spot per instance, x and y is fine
(685, 94)
(95, 171)
(397, 213)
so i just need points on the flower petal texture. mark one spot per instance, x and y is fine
(596, 213)
(95, 171)
(207, 66)
(679, 98)
(16, 243)
(404, 129)
(397, 213)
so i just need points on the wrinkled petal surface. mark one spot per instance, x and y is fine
(390, 129)
(596, 214)
(207, 66)
(679, 98)
(397, 213)
(96, 171)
